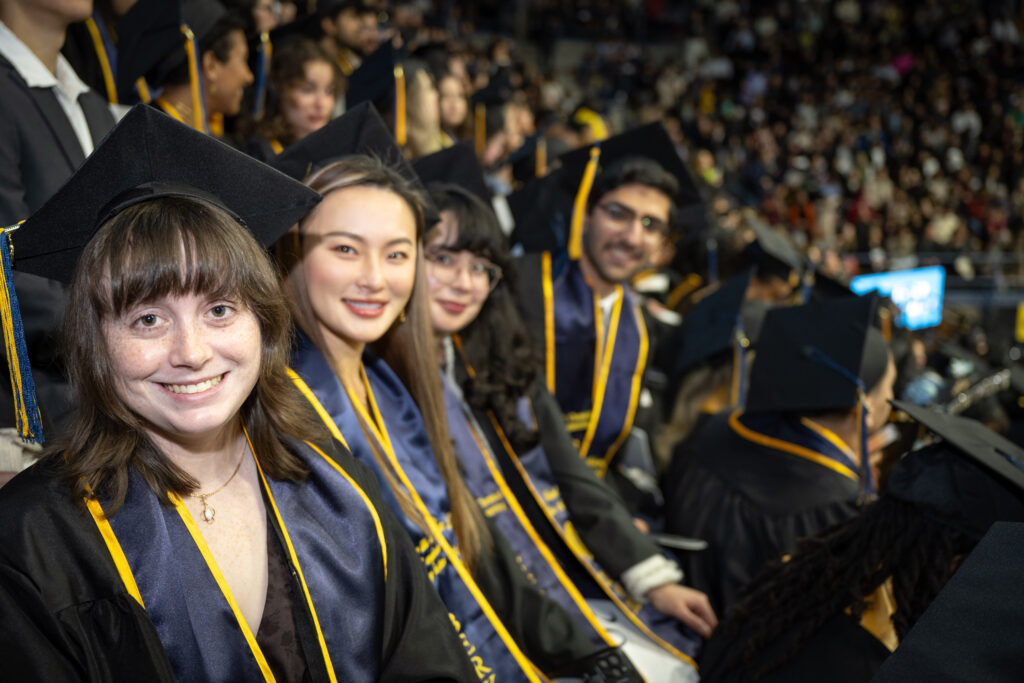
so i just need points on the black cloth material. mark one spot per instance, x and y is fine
(750, 502)
(840, 652)
(65, 614)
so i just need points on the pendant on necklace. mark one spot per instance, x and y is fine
(207, 512)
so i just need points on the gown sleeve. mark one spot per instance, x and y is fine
(597, 512)
(419, 642)
(543, 630)
(64, 614)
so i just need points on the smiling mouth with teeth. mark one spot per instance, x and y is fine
(197, 388)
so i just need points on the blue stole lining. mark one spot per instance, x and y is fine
(539, 479)
(578, 378)
(499, 504)
(331, 530)
(487, 651)
(790, 430)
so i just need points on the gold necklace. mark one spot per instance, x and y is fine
(208, 513)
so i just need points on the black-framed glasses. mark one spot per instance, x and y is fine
(623, 216)
(444, 266)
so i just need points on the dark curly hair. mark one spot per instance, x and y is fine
(838, 570)
(496, 344)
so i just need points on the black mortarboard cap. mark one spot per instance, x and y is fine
(542, 210)
(150, 42)
(710, 328)
(971, 631)
(810, 357)
(771, 252)
(825, 287)
(971, 479)
(457, 165)
(374, 80)
(329, 8)
(650, 141)
(360, 130)
(149, 155)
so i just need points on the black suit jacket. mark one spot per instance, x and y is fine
(38, 152)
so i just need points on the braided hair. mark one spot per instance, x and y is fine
(837, 571)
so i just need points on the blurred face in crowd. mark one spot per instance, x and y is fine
(622, 232)
(453, 104)
(459, 281)
(225, 82)
(307, 106)
(185, 364)
(424, 110)
(369, 33)
(345, 29)
(360, 263)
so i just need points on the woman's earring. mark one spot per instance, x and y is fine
(401, 316)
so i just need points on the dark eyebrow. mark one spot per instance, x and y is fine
(360, 238)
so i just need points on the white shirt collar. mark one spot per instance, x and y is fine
(34, 72)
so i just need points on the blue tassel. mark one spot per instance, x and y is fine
(27, 419)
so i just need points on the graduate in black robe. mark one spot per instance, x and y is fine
(752, 482)
(849, 597)
(121, 556)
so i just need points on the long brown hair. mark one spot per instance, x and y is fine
(406, 347)
(171, 247)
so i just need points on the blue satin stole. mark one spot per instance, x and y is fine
(801, 438)
(597, 372)
(334, 544)
(535, 471)
(404, 439)
(485, 481)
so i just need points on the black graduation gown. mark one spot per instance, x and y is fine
(65, 614)
(598, 514)
(840, 652)
(750, 502)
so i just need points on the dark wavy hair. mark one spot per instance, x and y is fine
(171, 246)
(838, 570)
(496, 344)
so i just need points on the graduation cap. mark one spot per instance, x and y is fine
(147, 155)
(824, 287)
(581, 166)
(720, 323)
(360, 130)
(819, 357)
(155, 37)
(457, 165)
(812, 358)
(380, 79)
(489, 98)
(971, 631)
(772, 253)
(971, 479)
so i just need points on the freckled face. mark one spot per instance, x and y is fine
(360, 263)
(185, 364)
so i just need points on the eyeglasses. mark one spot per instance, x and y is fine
(623, 216)
(444, 266)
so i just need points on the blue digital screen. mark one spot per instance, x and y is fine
(916, 292)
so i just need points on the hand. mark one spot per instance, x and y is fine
(644, 526)
(685, 604)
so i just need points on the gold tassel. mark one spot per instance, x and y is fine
(26, 411)
(399, 105)
(580, 205)
(198, 115)
(101, 54)
(143, 89)
(480, 129)
(541, 168)
(885, 318)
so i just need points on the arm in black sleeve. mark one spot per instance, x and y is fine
(543, 630)
(419, 642)
(599, 515)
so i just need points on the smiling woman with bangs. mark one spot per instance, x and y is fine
(195, 523)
